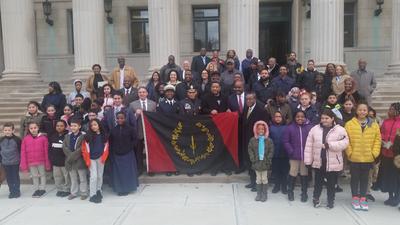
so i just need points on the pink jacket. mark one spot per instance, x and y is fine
(337, 140)
(34, 151)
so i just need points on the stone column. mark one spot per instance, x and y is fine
(394, 66)
(243, 23)
(327, 32)
(18, 26)
(89, 40)
(163, 31)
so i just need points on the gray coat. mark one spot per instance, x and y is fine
(135, 105)
(10, 148)
(365, 83)
(73, 159)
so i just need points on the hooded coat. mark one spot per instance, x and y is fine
(256, 163)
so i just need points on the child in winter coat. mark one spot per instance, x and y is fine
(57, 159)
(323, 152)
(294, 140)
(68, 114)
(280, 160)
(311, 112)
(74, 163)
(32, 115)
(388, 178)
(363, 150)
(48, 123)
(95, 150)
(10, 148)
(34, 156)
(396, 150)
(261, 150)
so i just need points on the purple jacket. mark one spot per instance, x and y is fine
(294, 140)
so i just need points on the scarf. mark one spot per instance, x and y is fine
(261, 147)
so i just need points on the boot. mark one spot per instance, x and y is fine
(276, 188)
(291, 181)
(284, 186)
(304, 186)
(396, 200)
(264, 193)
(259, 192)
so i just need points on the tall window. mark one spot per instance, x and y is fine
(206, 28)
(140, 30)
(70, 31)
(350, 24)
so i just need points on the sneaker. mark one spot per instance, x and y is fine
(355, 203)
(370, 198)
(364, 204)
(36, 194)
(71, 196)
(84, 197)
(330, 205)
(316, 203)
(94, 199)
(99, 195)
(338, 189)
(41, 193)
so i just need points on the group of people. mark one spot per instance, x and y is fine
(292, 120)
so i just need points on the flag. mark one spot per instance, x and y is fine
(191, 144)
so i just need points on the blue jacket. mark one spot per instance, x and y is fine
(276, 134)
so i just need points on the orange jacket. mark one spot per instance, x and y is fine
(86, 153)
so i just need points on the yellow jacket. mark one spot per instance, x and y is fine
(364, 145)
(128, 71)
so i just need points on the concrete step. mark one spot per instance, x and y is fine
(16, 110)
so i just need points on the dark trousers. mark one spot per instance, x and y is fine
(359, 178)
(280, 170)
(12, 176)
(331, 178)
(139, 156)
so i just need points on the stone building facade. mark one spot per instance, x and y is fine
(147, 31)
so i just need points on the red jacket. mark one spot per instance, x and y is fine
(34, 152)
(388, 133)
(86, 153)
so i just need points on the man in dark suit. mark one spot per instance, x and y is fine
(199, 63)
(137, 107)
(252, 113)
(181, 88)
(214, 102)
(129, 92)
(169, 105)
(110, 119)
(236, 103)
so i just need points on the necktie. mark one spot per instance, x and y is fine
(143, 105)
(204, 60)
(126, 92)
(240, 104)
(249, 112)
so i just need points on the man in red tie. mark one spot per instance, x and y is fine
(236, 103)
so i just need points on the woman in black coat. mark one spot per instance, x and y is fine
(56, 98)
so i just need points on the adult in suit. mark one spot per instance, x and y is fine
(129, 92)
(169, 104)
(199, 63)
(181, 88)
(185, 67)
(137, 107)
(236, 103)
(167, 68)
(253, 112)
(110, 115)
(119, 74)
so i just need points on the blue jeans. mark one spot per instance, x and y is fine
(12, 176)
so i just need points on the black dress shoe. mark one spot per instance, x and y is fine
(190, 174)
(177, 173)
(276, 188)
(168, 174)
(251, 185)
(228, 173)
(254, 189)
(213, 174)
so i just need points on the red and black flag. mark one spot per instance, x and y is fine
(191, 144)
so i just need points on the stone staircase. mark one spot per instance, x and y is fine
(14, 96)
(387, 92)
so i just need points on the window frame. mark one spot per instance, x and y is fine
(206, 20)
(355, 25)
(143, 21)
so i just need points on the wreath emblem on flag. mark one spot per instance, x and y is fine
(176, 133)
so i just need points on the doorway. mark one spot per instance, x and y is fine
(275, 31)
